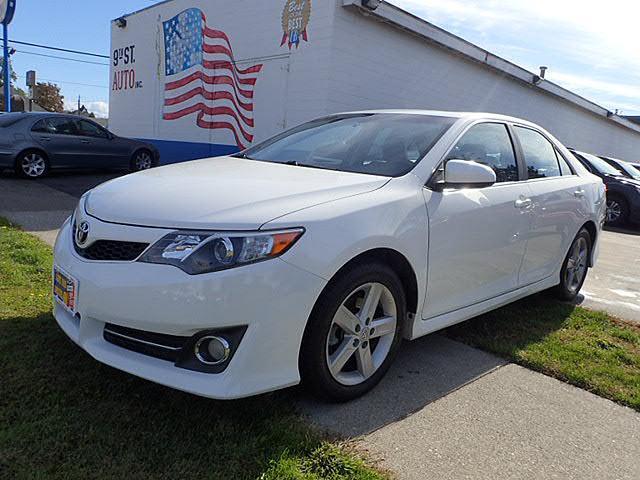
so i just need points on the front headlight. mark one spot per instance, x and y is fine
(204, 252)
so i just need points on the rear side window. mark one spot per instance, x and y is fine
(489, 144)
(40, 127)
(61, 126)
(564, 165)
(539, 154)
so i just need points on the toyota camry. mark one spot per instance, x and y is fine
(311, 256)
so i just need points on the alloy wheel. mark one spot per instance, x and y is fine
(577, 265)
(614, 211)
(33, 165)
(361, 334)
(143, 161)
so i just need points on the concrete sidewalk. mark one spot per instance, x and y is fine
(448, 411)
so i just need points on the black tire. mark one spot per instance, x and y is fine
(32, 157)
(621, 209)
(565, 290)
(314, 369)
(141, 160)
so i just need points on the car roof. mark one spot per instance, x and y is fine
(444, 113)
(37, 115)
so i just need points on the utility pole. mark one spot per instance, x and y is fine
(78, 104)
(7, 9)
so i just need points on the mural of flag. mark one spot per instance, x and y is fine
(202, 77)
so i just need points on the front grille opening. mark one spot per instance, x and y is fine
(112, 250)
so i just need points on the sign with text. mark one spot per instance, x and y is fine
(7, 9)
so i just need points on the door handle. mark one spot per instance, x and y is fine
(85, 141)
(579, 193)
(45, 139)
(523, 203)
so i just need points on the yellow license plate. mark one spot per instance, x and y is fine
(65, 289)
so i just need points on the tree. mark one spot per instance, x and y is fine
(48, 96)
(14, 77)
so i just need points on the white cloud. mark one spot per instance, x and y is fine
(99, 107)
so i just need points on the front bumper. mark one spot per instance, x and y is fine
(273, 299)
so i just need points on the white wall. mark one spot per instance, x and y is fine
(376, 65)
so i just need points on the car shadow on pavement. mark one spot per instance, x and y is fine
(628, 229)
(425, 370)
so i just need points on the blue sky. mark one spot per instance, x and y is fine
(589, 47)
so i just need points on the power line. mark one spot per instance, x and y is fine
(62, 58)
(77, 52)
(68, 82)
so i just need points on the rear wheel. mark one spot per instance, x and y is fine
(142, 160)
(575, 267)
(617, 211)
(32, 164)
(354, 333)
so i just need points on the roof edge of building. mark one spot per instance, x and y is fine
(396, 16)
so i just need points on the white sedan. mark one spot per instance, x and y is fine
(311, 256)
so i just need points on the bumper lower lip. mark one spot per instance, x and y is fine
(163, 299)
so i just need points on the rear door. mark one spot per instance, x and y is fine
(59, 137)
(559, 205)
(477, 236)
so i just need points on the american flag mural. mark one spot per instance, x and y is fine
(202, 77)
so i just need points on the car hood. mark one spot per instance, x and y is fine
(221, 193)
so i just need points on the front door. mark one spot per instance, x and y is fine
(99, 149)
(477, 236)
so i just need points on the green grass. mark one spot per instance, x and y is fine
(585, 348)
(64, 415)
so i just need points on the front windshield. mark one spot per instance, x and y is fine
(630, 169)
(377, 144)
(600, 165)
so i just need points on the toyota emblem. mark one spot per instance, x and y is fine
(82, 233)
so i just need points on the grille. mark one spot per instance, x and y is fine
(158, 345)
(112, 250)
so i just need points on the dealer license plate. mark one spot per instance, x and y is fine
(65, 289)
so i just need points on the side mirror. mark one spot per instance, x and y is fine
(466, 173)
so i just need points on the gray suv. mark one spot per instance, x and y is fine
(34, 143)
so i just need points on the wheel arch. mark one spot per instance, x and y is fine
(592, 229)
(399, 264)
(31, 149)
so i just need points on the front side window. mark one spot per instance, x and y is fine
(89, 129)
(539, 154)
(61, 126)
(489, 144)
(384, 144)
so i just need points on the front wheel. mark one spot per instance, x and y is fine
(575, 267)
(142, 160)
(354, 333)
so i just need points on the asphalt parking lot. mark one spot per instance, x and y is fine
(40, 207)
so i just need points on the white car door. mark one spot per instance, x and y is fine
(477, 236)
(559, 207)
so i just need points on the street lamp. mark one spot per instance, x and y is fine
(7, 9)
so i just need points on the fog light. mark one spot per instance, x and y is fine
(212, 350)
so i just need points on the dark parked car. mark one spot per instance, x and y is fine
(623, 194)
(627, 169)
(34, 143)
